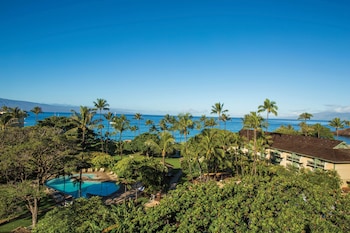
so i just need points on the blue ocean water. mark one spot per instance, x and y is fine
(234, 125)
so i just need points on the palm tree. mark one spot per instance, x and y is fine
(5, 120)
(120, 124)
(101, 104)
(210, 123)
(201, 122)
(18, 116)
(134, 128)
(36, 110)
(225, 118)
(306, 129)
(253, 121)
(269, 107)
(108, 116)
(165, 145)
(347, 123)
(305, 116)
(318, 128)
(170, 122)
(138, 117)
(211, 149)
(84, 122)
(152, 127)
(218, 108)
(184, 124)
(163, 125)
(337, 124)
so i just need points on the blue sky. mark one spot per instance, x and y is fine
(178, 56)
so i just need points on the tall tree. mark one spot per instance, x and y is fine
(138, 117)
(84, 122)
(306, 129)
(225, 118)
(101, 104)
(254, 122)
(134, 128)
(151, 125)
(108, 116)
(170, 122)
(305, 116)
(210, 122)
(18, 116)
(6, 120)
(120, 124)
(185, 124)
(269, 107)
(337, 124)
(164, 145)
(318, 128)
(28, 158)
(211, 149)
(36, 110)
(218, 108)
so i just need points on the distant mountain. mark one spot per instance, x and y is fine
(27, 106)
(331, 115)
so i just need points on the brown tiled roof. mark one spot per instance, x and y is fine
(308, 146)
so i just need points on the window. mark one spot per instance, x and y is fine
(275, 157)
(316, 164)
(294, 159)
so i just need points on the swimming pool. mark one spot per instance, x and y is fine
(89, 187)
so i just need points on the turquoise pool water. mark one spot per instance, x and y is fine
(67, 186)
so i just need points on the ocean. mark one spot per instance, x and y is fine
(234, 125)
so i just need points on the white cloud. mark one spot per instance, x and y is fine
(338, 108)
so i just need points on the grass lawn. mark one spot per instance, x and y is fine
(174, 161)
(22, 222)
(26, 220)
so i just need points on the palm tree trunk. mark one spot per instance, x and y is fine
(80, 181)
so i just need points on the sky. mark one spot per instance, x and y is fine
(178, 56)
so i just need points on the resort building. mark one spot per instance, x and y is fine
(309, 152)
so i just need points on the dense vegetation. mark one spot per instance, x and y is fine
(257, 197)
(274, 200)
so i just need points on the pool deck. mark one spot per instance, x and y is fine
(101, 176)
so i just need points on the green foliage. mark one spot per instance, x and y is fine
(102, 160)
(84, 215)
(138, 144)
(316, 130)
(28, 157)
(148, 171)
(289, 129)
(321, 131)
(9, 203)
(213, 150)
(275, 200)
(60, 122)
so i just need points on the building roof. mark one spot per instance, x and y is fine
(320, 148)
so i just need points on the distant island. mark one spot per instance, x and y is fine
(27, 106)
